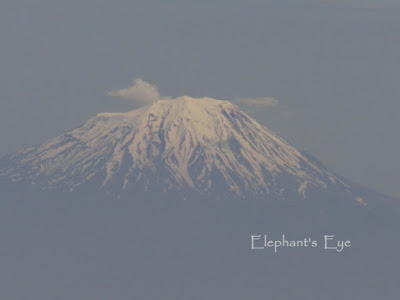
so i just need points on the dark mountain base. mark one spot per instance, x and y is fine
(86, 246)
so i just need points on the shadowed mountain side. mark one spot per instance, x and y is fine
(90, 247)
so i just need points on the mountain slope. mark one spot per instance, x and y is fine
(206, 146)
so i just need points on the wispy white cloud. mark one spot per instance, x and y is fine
(140, 92)
(144, 93)
(258, 102)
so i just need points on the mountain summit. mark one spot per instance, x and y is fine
(205, 146)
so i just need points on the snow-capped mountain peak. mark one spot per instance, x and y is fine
(202, 145)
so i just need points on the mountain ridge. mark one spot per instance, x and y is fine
(206, 146)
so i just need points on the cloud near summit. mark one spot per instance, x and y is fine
(257, 102)
(140, 92)
(144, 93)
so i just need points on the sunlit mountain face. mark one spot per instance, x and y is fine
(187, 146)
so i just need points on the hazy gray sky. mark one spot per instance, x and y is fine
(333, 66)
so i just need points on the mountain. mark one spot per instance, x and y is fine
(60, 230)
(195, 146)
